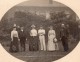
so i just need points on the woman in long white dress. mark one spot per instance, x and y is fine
(51, 40)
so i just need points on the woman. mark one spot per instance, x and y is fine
(52, 41)
(14, 41)
(33, 43)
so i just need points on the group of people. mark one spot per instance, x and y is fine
(37, 40)
(39, 35)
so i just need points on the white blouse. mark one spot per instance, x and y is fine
(14, 34)
(33, 32)
(52, 32)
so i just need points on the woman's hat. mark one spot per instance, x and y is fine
(14, 26)
(62, 24)
(33, 26)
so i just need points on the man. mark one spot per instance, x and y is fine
(33, 43)
(22, 37)
(41, 33)
(64, 37)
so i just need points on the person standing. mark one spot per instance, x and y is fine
(33, 43)
(14, 41)
(64, 33)
(22, 37)
(41, 33)
(52, 41)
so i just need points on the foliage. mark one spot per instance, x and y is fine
(27, 19)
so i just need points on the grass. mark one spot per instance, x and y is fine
(42, 56)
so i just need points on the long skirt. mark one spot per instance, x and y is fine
(51, 44)
(14, 45)
(33, 43)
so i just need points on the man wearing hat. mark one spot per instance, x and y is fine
(33, 43)
(22, 37)
(64, 37)
(41, 33)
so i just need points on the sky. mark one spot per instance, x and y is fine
(41, 3)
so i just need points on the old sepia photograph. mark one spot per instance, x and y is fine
(39, 31)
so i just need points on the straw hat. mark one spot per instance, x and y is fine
(62, 24)
(33, 26)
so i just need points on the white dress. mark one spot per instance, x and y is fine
(51, 40)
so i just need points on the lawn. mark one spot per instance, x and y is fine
(42, 56)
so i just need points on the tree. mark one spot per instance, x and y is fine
(19, 14)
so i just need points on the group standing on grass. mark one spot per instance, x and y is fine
(37, 39)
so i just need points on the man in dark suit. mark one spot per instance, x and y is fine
(64, 33)
(22, 37)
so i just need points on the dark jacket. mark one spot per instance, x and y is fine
(64, 32)
(22, 34)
